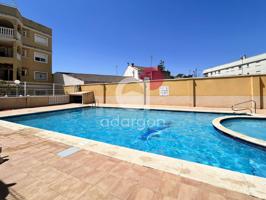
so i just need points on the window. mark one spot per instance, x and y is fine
(25, 33)
(40, 76)
(40, 57)
(24, 72)
(24, 52)
(6, 52)
(41, 40)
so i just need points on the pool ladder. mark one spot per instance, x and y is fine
(253, 102)
(95, 104)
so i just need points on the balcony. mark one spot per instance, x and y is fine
(7, 33)
(6, 53)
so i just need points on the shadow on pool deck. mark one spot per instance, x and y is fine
(3, 159)
(4, 189)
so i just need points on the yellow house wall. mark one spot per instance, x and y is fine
(222, 92)
(201, 92)
(178, 93)
(263, 91)
(33, 66)
(125, 93)
(98, 91)
(238, 86)
(69, 89)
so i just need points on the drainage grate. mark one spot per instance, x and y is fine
(68, 152)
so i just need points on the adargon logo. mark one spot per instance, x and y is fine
(138, 93)
(154, 74)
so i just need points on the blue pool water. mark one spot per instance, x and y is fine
(184, 135)
(251, 127)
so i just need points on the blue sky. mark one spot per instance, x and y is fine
(93, 36)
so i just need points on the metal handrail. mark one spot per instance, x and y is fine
(250, 109)
(94, 104)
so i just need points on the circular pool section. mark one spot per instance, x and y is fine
(249, 129)
(252, 127)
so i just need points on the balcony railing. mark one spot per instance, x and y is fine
(6, 32)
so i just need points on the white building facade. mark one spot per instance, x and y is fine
(244, 66)
(132, 71)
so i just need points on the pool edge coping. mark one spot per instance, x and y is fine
(125, 106)
(217, 123)
(227, 179)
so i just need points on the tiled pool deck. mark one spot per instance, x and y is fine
(100, 171)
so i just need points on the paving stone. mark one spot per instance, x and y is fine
(38, 173)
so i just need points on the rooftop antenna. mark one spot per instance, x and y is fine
(12, 3)
(116, 70)
(151, 60)
(196, 72)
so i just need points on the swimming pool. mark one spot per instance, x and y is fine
(183, 135)
(249, 126)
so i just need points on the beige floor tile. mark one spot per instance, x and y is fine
(93, 177)
(94, 193)
(142, 194)
(107, 165)
(124, 189)
(75, 190)
(169, 188)
(188, 192)
(151, 183)
(107, 183)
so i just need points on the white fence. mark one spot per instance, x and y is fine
(10, 89)
(53, 100)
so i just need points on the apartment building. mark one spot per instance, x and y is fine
(25, 48)
(244, 66)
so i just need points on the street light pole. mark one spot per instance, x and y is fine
(17, 82)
